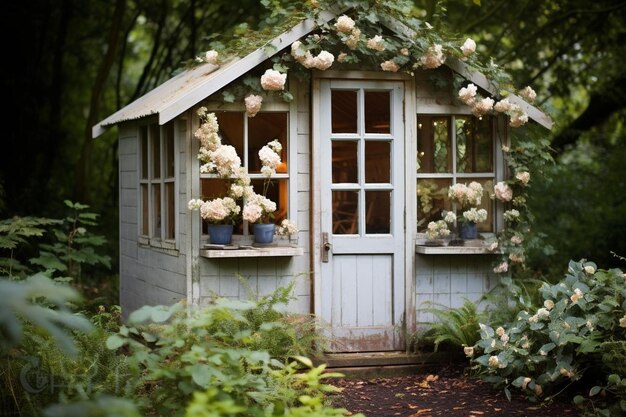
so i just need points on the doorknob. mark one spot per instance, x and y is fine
(326, 247)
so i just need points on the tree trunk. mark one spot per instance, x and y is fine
(84, 165)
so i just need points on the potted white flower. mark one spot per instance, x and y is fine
(468, 198)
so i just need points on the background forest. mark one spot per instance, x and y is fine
(70, 63)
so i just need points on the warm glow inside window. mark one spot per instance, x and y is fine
(248, 136)
(451, 150)
(157, 160)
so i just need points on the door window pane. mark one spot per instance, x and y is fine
(377, 162)
(432, 200)
(345, 161)
(156, 218)
(264, 128)
(474, 148)
(377, 212)
(231, 130)
(345, 212)
(143, 137)
(344, 111)
(144, 209)
(155, 138)
(170, 219)
(377, 112)
(434, 145)
(169, 150)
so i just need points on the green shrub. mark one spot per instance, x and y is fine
(215, 361)
(456, 327)
(582, 321)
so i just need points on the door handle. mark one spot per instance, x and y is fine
(326, 247)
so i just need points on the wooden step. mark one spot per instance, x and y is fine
(369, 359)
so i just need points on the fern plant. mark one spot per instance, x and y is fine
(457, 327)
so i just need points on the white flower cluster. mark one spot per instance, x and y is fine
(270, 157)
(216, 158)
(578, 294)
(528, 94)
(211, 57)
(511, 215)
(390, 66)
(273, 80)
(503, 192)
(256, 207)
(523, 177)
(376, 43)
(437, 229)
(219, 209)
(322, 61)
(253, 104)
(344, 24)
(501, 268)
(468, 95)
(466, 195)
(287, 228)
(468, 47)
(433, 58)
(541, 314)
(474, 215)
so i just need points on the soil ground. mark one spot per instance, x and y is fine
(449, 393)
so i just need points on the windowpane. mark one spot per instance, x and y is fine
(378, 212)
(345, 212)
(264, 128)
(169, 150)
(231, 130)
(143, 138)
(156, 217)
(144, 209)
(377, 162)
(344, 161)
(432, 200)
(155, 139)
(344, 111)
(434, 145)
(377, 112)
(170, 215)
(218, 188)
(474, 144)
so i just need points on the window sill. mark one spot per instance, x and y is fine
(471, 247)
(252, 252)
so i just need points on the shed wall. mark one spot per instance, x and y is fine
(239, 278)
(447, 280)
(148, 275)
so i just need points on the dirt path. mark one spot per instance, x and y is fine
(448, 393)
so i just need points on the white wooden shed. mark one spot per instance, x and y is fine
(357, 145)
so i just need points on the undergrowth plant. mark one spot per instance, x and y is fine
(576, 340)
(215, 361)
(455, 327)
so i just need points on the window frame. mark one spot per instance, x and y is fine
(153, 239)
(456, 177)
(291, 176)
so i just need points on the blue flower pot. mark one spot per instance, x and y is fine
(468, 230)
(220, 234)
(263, 232)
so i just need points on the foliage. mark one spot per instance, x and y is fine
(225, 359)
(455, 327)
(582, 321)
(72, 245)
(581, 188)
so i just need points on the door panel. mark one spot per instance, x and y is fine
(362, 212)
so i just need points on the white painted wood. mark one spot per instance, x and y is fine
(361, 291)
(248, 252)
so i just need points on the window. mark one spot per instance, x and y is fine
(248, 136)
(450, 150)
(157, 182)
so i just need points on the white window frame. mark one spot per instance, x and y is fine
(454, 176)
(153, 239)
(292, 171)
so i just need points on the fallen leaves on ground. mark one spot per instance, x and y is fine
(447, 393)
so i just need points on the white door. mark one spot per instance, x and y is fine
(362, 214)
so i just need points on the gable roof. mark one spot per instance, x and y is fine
(191, 86)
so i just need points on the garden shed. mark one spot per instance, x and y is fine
(372, 136)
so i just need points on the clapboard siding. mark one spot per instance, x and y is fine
(447, 281)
